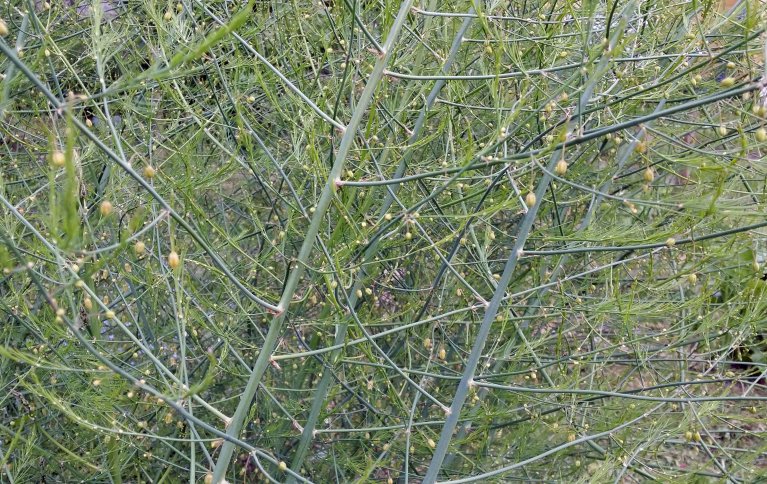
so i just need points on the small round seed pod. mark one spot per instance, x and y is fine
(57, 159)
(530, 199)
(561, 167)
(149, 172)
(106, 208)
(173, 260)
(648, 175)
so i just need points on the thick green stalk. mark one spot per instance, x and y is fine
(328, 192)
(467, 380)
(499, 295)
(625, 153)
(370, 253)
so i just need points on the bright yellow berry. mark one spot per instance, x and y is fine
(173, 260)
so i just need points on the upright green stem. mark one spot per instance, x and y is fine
(499, 295)
(626, 151)
(467, 380)
(370, 253)
(328, 192)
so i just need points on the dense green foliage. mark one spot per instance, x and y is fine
(382, 241)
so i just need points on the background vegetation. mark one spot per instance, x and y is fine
(382, 241)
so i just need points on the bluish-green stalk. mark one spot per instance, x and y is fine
(318, 402)
(328, 192)
(470, 367)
